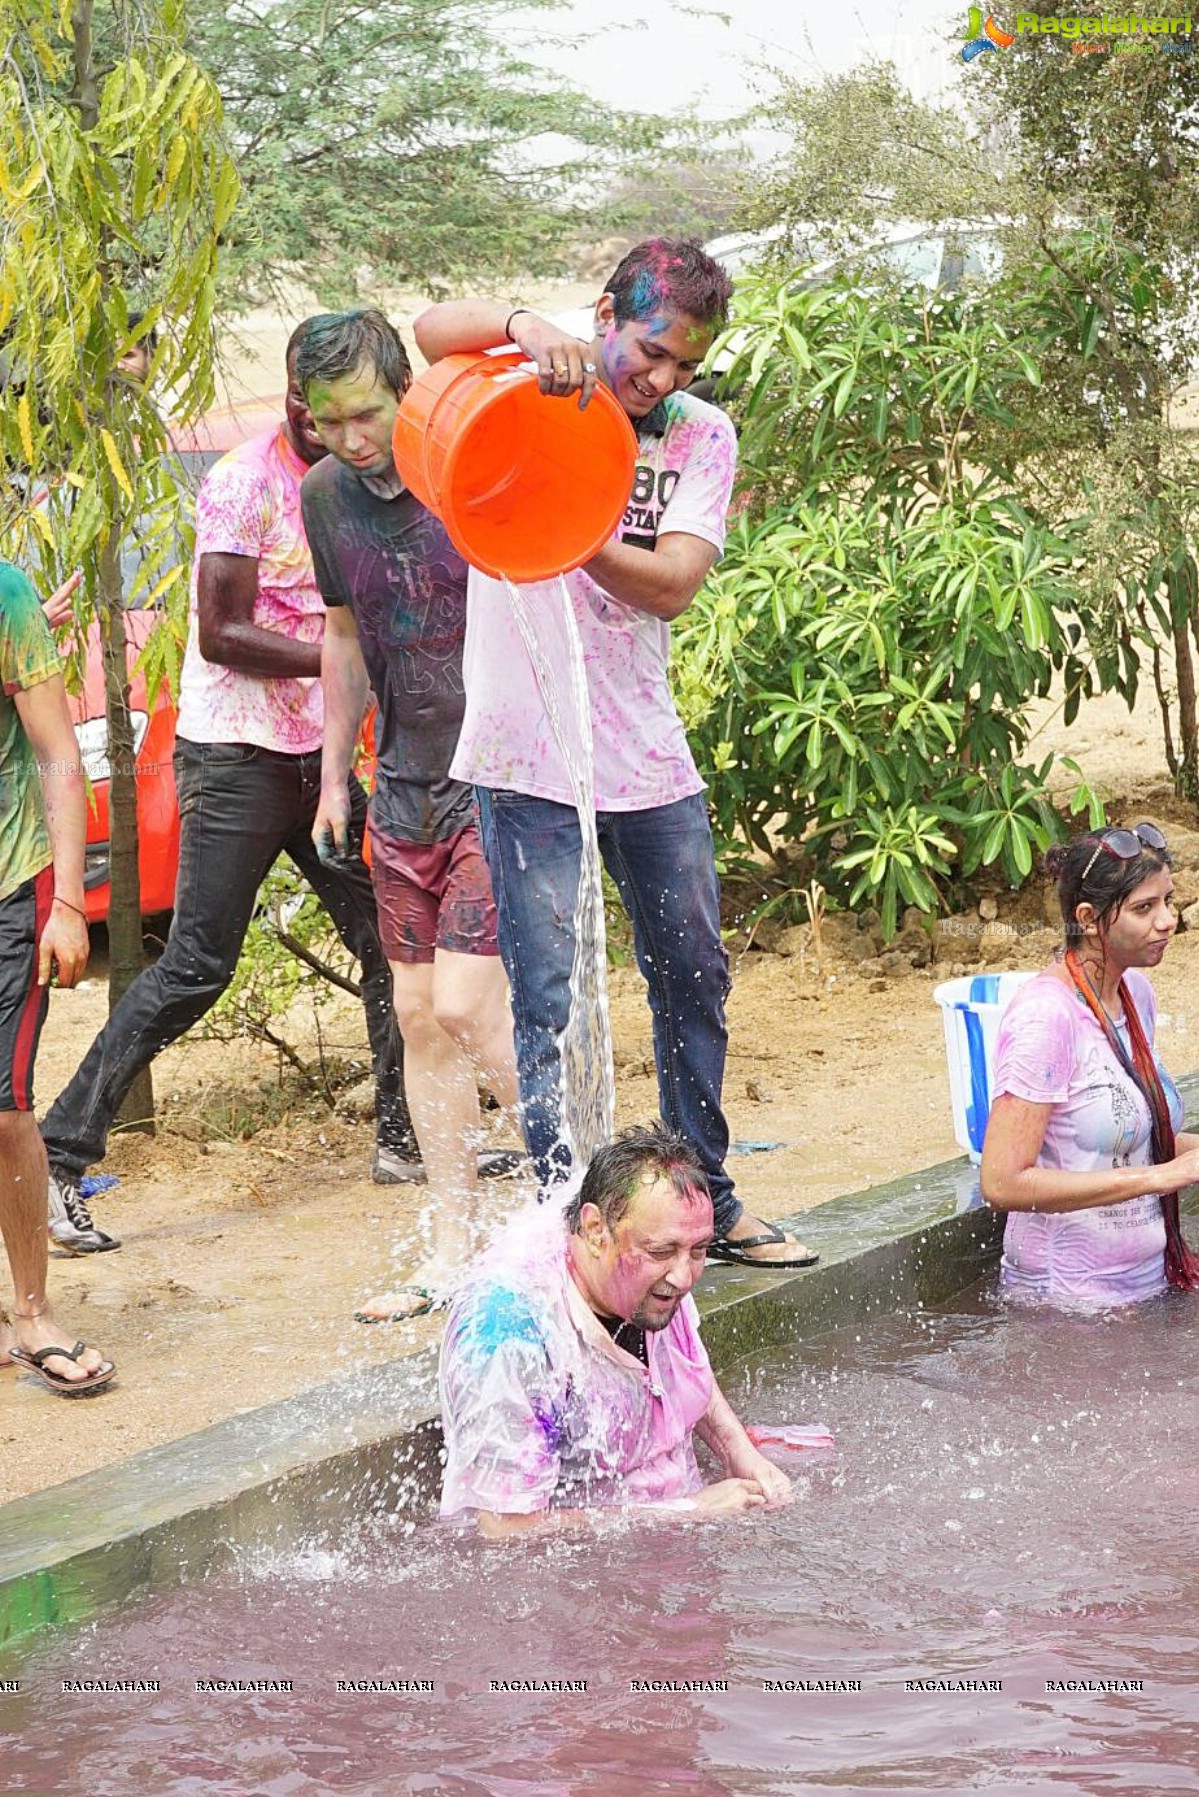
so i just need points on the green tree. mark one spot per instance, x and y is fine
(1110, 145)
(692, 196)
(407, 141)
(116, 185)
(859, 151)
(1087, 171)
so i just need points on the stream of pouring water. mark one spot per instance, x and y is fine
(550, 631)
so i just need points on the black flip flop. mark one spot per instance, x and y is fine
(64, 1388)
(733, 1254)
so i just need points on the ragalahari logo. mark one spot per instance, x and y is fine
(984, 36)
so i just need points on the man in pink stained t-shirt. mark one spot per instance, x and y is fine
(247, 771)
(572, 1372)
(653, 327)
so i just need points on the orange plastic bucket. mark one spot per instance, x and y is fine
(527, 486)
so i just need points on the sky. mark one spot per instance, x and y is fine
(652, 55)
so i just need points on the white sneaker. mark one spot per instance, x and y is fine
(395, 1167)
(71, 1226)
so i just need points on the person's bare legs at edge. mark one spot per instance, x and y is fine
(23, 1174)
(61, 944)
(453, 1017)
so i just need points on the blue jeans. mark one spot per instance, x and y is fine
(663, 866)
(240, 808)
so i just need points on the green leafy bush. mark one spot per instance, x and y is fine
(856, 673)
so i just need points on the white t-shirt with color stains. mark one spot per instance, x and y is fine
(249, 504)
(540, 1407)
(1051, 1050)
(683, 482)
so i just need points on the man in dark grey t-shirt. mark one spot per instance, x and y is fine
(395, 587)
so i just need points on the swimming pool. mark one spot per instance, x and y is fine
(988, 1586)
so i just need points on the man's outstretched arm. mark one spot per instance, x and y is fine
(727, 1497)
(720, 1430)
(456, 327)
(661, 581)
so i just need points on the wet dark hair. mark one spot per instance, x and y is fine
(337, 344)
(296, 339)
(1108, 884)
(675, 272)
(619, 1167)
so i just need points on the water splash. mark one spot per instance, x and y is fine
(587, 1085)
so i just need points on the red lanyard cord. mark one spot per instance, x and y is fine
(1182, 1265)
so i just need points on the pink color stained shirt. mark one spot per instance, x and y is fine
(249, 504)
(683, 482)
(1051, 1050)
(542, 1410)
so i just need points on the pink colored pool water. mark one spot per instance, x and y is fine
(991, 1585)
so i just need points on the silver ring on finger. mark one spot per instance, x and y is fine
(589, 368)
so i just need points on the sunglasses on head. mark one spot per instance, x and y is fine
(1125, 845)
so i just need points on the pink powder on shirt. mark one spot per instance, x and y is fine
(542, 1410)
(1051, 1050)
(249, 504)
(682, 484)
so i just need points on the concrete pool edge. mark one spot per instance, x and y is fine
(175, 1511)
(171, 1512)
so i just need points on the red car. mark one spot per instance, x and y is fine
(154, 728)
(157, 809)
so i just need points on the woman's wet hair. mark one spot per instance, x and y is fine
(620, 1166)
(1086, 873)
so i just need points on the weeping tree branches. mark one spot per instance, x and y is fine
(115, 185)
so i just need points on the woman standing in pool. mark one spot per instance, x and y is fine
(1083, 1148)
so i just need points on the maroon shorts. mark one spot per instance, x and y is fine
(23, 1002)
(432, 895)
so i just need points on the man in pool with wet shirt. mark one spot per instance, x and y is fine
(572, 1373)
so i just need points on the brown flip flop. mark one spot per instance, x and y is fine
(35, 1362)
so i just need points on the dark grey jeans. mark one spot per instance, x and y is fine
(240, 808)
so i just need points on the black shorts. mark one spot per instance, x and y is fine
(23, 1003)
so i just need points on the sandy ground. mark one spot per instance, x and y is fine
(242, 1260)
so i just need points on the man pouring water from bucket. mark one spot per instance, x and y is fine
(654, 324)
